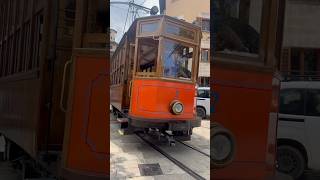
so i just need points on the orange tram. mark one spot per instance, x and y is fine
(245, 66)
(153, 75)
(53, 88)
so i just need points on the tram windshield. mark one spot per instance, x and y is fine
(167, 48)
(177, 60)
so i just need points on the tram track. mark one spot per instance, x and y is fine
(194, 148)
(188, 168)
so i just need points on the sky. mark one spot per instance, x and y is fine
(118, 14)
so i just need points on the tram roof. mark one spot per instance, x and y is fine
(170, 18)
(132, 27)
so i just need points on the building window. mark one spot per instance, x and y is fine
(205, 25)
(300, 61)
(204, 81)
(205, 55)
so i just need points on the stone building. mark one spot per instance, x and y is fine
(113, 43)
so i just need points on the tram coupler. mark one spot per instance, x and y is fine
(170, 138)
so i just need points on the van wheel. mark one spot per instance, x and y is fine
(290, 161)
(201, 112)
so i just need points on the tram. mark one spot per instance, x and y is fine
(245, 65)
(153, 75)
(53, 88)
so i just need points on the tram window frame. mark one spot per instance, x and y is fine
(167, 22)
(137, 56)
(195, 53)
(258, 59)
(149, 21)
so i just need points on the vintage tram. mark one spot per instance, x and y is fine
(53, 87)
(245, 67)
(153, 75)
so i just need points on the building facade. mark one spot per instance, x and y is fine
(113, 43)
(301, 38)
(198, 13)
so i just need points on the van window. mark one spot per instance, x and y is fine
(313, 103)
(203, 93)
(292, 101)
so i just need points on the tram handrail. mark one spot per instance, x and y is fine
(67, 64)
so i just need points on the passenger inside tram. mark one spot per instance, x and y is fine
(147, 55)
(238, 26)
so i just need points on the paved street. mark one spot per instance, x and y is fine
(129, 152)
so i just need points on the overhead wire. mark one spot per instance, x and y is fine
(125, 24)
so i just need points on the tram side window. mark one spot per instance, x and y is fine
(177, 60)
(147, 55)
(292, 102)
(237, 24)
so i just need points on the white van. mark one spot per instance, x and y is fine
(203, 102)
(299, 127)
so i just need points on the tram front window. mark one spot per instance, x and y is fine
(177, 60)
(147, 55)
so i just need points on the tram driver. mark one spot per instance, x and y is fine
(177, 60)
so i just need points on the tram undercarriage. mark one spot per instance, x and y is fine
(171, 130)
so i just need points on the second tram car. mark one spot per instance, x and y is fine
(154, 72)
(246, 80)
(53, 88)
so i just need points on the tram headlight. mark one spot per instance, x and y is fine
(176, 107)
(223, 146)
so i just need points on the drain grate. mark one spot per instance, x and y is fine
(150, 169)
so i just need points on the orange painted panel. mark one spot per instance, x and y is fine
(88, 148)
(152, 98)
(246, 104)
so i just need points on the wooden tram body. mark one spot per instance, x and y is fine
(247, 87)
(142, 87)
(45, 46)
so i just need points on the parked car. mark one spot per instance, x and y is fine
(203, 102)
(299, 127)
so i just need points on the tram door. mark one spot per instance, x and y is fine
(86, 139)
(244, 78)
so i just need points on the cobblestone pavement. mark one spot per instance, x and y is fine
(128, 151)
